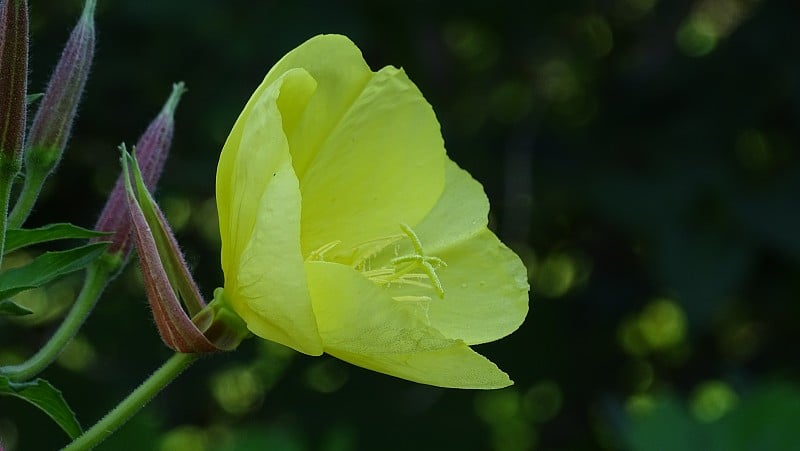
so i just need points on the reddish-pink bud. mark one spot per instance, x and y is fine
(166, 275)
(52, 124)
(13, 83)
(151, 152)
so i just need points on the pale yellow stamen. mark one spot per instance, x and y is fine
(319, 254)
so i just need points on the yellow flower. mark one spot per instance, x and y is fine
(347, 230)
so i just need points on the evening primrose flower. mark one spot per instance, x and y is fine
(347, 230)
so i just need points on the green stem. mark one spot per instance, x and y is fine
(31, 187)
(6, 181)
(97, 276)
(133, 403)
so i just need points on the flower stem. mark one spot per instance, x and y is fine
(31, 186)
(6, 181)
(133, 403)
(98, 274)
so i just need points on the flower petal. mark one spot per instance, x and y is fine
(259, 201)
(381, 166)
(485, 290)
(367, 150)
(485, 283)
(460, 212)
(341, 72)
(360, 324)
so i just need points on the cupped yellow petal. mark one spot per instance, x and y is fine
(259, 201)
(341, 73)
(460, 212)
(485, 284)
(485, 290)
(367, 148)
(382, 165)
(361, 324)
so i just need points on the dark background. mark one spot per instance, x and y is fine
(640, 156)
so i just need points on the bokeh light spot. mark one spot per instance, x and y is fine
(711, 400)
(327, 376)
(557, 81)
(555, 275)
(78, 355)
(663, 324)
(597, 35)
(510, 101)
(185, 438)
(542, 401)
(640, 405)
(471, 43)
(237, 390)
(498, 406)
(696, 37)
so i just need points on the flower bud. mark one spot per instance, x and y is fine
(151, 151)
(57, 110)
(13, 83)
(167, 277)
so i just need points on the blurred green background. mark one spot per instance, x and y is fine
(640, 156)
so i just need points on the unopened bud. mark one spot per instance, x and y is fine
(167, 278)
(151, 152)
(57, 110)
(13, 83)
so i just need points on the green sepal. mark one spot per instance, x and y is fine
(47, 398)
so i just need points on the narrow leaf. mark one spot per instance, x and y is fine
(47, 267)
(19, 238)
(8, 308)
(41, 394)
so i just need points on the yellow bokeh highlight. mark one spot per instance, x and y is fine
(327, 376)
(640, 404)
(697, 37)
(712, 400)
(48, 303)
(558, 273)
(663, 324)
(498, 406)
(708, 22)
(237, 390)
(78, 355)
(660, 326)
(185, 438)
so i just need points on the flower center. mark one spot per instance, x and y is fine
(415, 269)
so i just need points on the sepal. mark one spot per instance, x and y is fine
(166, 276)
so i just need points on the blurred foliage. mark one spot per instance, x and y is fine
(640, 155)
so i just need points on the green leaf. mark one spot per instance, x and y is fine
(8, 308)
(41, 394)
(47, 267)
(30, 98)
(18, 238)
